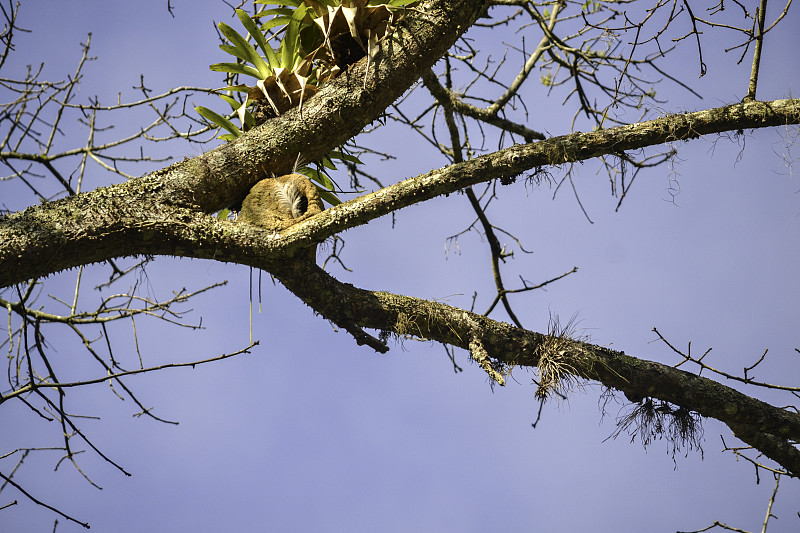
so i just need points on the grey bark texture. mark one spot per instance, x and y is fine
(169, 213)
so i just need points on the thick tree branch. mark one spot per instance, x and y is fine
(126, 220)
(169, 212)
(341, 109)
(520, 158)
(765, 427)
(761, 425)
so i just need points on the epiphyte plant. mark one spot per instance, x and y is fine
(320, 40)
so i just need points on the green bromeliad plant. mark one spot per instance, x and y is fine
(321, 38)
(336, 32)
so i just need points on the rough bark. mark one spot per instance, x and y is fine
(340, 110)
(167, 213)
(136, 218)
(119, 220)
(769, 429)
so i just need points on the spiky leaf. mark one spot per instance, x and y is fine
(219, 120)
(274, 23)
(336, 154)
(258, 36)
(284, 11)
(293, 3)
(241, 88)
(232, 50)
(243, 46)
(231, 101)
(319, 177)
(327, 163)
(236, 68)
(289, 55)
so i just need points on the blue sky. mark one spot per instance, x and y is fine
(313, 433)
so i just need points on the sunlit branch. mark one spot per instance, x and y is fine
(751, 90)
(530, 62)
(116, 376)
(689, 358)
(637, 378)
(194, 234)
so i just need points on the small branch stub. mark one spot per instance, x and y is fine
(479, 354)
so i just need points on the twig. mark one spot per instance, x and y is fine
(751, 91)
(39, 502)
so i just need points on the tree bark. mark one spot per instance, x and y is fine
(168, 213)
(142, 217)
(769, 429)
